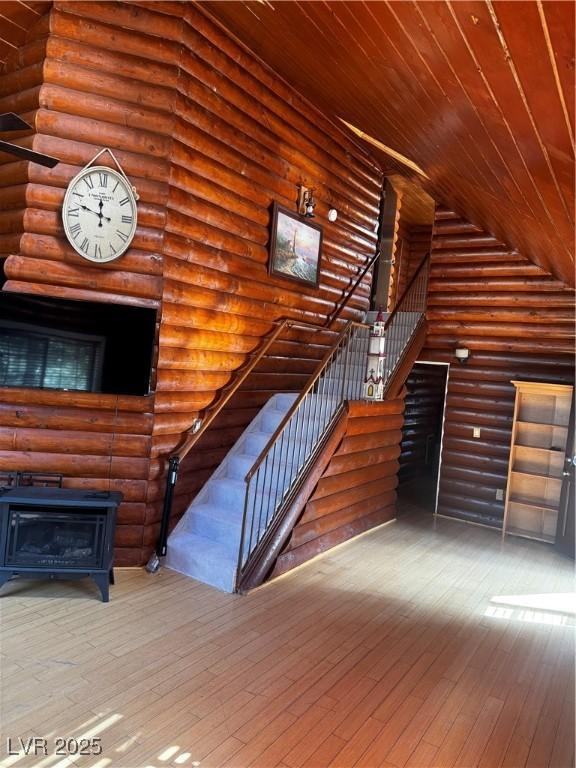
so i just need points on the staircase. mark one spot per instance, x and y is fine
(206, 541)
(234, 526)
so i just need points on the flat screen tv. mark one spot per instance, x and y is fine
(51, 343)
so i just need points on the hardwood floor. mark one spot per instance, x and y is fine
(405, 648)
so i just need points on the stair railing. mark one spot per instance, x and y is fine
(405, 319)
(201, 425)
(277, 474)
(293, 447)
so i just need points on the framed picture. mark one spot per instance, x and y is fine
(295, 247)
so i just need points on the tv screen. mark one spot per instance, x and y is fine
(51, 343)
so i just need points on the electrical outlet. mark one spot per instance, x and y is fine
(499, 494)
(476, 432)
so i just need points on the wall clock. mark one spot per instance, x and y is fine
(99, 213)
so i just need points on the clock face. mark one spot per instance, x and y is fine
(99, 214)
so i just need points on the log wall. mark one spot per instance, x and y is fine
(20, 81)
(210, 138)
(416, 244)
(518, 323)
(358, 489)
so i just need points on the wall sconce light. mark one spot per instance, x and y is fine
(462, 354)
(306, 202)
(332, 214)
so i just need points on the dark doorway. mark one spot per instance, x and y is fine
(422, 437)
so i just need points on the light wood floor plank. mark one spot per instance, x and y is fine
(402, 649)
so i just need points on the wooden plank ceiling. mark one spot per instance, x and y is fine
(478, 93)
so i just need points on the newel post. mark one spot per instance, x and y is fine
(173, 464)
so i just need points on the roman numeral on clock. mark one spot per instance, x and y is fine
(74, 212)
(103, 179)
(75, 229)
(124, 200)
(127, 219)
(122, 236)
(85, 245)
(89, 182)
(97, 251)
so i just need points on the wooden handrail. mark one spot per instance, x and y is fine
(194, 434)
(200, 426)
(310, 383)
(410, 284)
(333, 317)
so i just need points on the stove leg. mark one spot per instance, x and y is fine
(102, 580)
(111, 579)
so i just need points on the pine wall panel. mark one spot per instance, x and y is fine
(210, 138)
(518, 323)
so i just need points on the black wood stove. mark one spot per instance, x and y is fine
(56, 532)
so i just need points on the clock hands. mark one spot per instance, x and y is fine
(96, 213)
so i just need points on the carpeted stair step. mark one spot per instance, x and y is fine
(212, 525)
(204, 559)
(217, 524)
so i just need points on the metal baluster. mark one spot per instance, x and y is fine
(352, 378)
(276, 448)
(281, 468)
(300, 434)
(344, 367)
(251, 511)
(332, 379)
(286, 470)
(298, 416)
(324, 406)
(362, 357)
(278, 490)
(287, 460)
(321, 387)
(313, 420)
(351, 385)
(322, 396)
(311, 425)
(296, 447)
(360, 363)
(264, 472)
(358, 390)
(365, 355)
(243, 529)
(304, 417)
(339, 383)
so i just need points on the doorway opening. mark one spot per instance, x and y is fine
(422, 437)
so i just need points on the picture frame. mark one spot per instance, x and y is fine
(295, 247)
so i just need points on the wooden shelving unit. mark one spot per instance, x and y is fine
(537, 454)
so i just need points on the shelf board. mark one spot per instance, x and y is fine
(530, 535)
(536, 474)
(542, 424)
(532, 504)
(552, 451)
